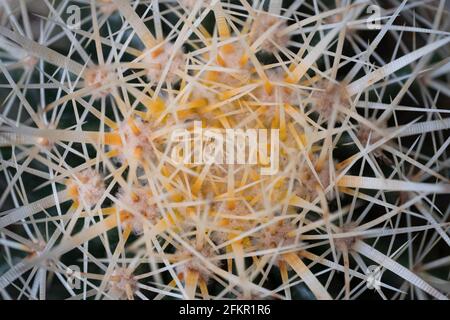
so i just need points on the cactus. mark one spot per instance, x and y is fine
(93, 204)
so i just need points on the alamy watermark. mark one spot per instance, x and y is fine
(230, 146)
(74, 19)
(373, 22)
(374, 274)
(73, 276)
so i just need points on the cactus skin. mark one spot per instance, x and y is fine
(88, 185)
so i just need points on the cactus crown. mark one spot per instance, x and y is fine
(88, 112)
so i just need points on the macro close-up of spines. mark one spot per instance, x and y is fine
(224, 149)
